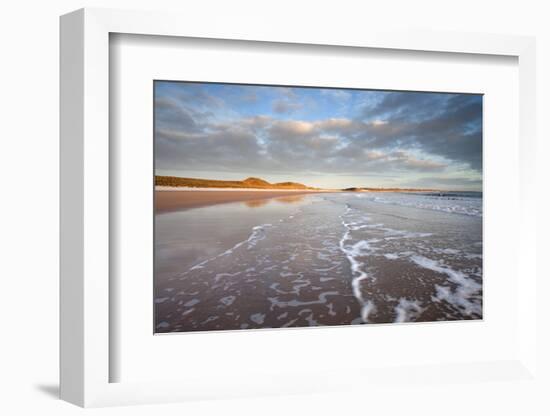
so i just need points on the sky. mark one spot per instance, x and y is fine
(327, 138)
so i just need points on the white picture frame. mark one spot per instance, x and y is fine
(85, 209)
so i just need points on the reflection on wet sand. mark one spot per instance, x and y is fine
(257, 203)
(172, 201)
(290, 199)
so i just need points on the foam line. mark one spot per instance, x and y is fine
(466, 287)
(257, 234)
(351, 252)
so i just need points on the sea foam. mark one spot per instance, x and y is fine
(352, 252)
(465, 296)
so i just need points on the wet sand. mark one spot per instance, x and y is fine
(169, 201)
(314, 260)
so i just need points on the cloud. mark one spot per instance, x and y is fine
(458, 183)
(410, 162)
(169, 113)
(223, 149)
(249, 97)
(388, 133)
(193, 95)
(447, 125)
(265, 143)
(285, 106)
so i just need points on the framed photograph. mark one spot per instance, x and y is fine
(285, 206)
(239, 210)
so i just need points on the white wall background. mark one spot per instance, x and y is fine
(29, 205)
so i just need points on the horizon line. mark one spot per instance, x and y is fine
(397, 188)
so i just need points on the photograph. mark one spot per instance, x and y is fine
(292, 206)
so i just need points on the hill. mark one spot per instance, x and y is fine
(256, 183)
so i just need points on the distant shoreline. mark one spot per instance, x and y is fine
(306, 190)
(174, 183)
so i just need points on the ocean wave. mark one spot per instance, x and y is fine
(407, 310)
(321, 299)
(466, 295)
(365, 241)
(455, 205)
(258, 234)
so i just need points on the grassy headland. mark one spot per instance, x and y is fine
(255, 183)
(258, 183)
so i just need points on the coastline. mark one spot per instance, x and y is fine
(178, 199)
(195, 189)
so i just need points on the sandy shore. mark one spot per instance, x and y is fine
(170, 200)
(343, 259)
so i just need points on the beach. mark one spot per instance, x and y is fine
(175, 199)
(247, 259)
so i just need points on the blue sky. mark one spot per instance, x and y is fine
(332, 138)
